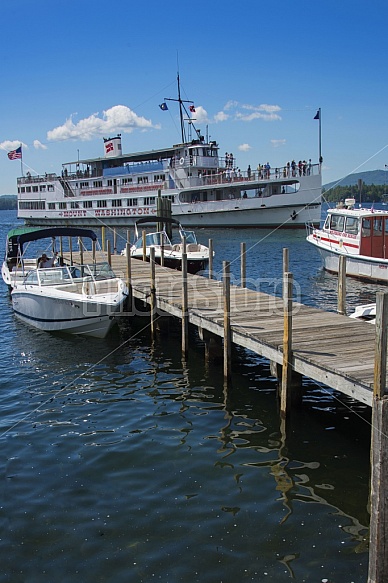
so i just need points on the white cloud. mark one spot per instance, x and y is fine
(277, 143)
(263, 111)
(118, 118)
(221, 116)
(8, 145)
(257, 114)
(39, 146)
(244, 147)
(231, 104)
(200, 115)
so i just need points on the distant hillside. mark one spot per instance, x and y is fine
(8, 202)
(378, 177)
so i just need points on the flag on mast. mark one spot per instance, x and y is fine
(15, 154)
(317, 115)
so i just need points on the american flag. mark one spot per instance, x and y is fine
(15, 154)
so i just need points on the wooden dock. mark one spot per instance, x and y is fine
(327, 347)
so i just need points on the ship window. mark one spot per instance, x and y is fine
(51, 206)
(132, 202)
(22, 189)
(366, 227)
(117, 202)
(74, 205)
(337, 223)
(28, 188)
(377, 226)
(34, 189)
(84, 184)
(97, 184)
(88, 204)
(101, 204)
(351, 225)
(50, 188)
(62, 205)
(42, 188)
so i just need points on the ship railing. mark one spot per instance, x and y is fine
(29, 179)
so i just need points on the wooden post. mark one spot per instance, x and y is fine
(210, 258)
(153, 291)
(341, 309)
(243, 282)
(227, 332)
(144, 234)
(285, 260)
(60, 246)
(71, 250)
(162, 253)
(109, 252)
(128, 274)
(103, 238)
(128, 236)
(285, 395)
(81, 251)
(185, 313)
(114, 241)
(159, 210)
(380, 368)
(378, 527)
(94, 251)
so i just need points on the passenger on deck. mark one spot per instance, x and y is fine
(45, 261)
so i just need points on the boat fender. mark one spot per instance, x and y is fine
(88, 288)
(181, 161)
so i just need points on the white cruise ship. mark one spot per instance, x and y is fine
(205, 188)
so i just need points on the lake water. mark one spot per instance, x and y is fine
(121, 463)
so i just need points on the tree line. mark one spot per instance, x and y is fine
(8, 203)
(369, 193)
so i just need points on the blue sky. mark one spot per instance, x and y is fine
(75, 71)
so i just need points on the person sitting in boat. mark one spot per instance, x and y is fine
(45, 261)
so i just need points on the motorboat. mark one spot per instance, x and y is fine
(360, 235)
(169, 244)
(366, 312)
(26, 245)
(73, 297)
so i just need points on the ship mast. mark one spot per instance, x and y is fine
(182, 110)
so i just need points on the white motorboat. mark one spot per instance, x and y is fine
(365, 312)
(26, 245)
(74, 298)
(205, 188)
(360, 235)
(168, 245)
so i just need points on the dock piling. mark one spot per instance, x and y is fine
(153, 291)
(185, 313)
(378, 530)
(341, 309)
(227, 331)
(108, 252)
(243, 275)
(285, 394)
(210, 259)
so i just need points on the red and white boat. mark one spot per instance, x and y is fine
(359, 234)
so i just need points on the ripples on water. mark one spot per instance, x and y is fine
(121, 463)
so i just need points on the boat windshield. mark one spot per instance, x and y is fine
(155, 239)
(70, 274)
(190, 236)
